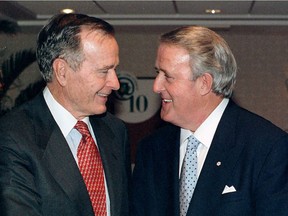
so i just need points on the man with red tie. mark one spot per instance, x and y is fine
(62, 153)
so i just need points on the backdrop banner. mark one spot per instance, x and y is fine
(135, 101)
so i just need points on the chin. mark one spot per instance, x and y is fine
(165, 117)
(100, 110)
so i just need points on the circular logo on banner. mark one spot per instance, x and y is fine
(128, 85)
(135, 101)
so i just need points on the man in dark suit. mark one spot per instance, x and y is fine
(40, 170)
(239, 161)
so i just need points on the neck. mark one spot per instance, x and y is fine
(206, 108)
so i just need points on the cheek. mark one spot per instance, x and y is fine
(80, 85)
(178, 93)
(94, 82)
(89, 84)
(80, 89)
(183, 99)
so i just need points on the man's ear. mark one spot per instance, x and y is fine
(60, 67)
(206, 83)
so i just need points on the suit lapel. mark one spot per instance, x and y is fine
(220, 161)
(64, 170)
(110, 154)
(58, 158)
(62, 166)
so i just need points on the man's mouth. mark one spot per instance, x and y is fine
(102, 94)
(167, 100)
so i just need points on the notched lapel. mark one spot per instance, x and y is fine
(110, 153)
(220, 162)
(63, 168)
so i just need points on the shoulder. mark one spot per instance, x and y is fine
(27, 126)
(112, 119)
(26, 116)
(252, 125)
(107, 121)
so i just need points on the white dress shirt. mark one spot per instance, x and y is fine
(66, 122)
(204, 134)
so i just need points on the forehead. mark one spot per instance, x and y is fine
(172, 52)
(97, 41)
(96, 36)
(171, 56)
(99, 50)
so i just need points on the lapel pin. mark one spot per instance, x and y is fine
(218, 163)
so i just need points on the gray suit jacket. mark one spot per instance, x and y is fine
(38, 174)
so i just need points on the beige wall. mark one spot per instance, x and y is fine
(261, 53)
(262, 56)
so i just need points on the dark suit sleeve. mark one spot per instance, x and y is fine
(156, 174)
(272, 186)
(141, 198)
(18, 194)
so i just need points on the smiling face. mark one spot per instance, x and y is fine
(84, 92)
(181, 96)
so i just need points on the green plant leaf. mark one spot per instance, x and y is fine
(14, 66)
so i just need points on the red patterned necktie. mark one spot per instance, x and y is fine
(91, 168)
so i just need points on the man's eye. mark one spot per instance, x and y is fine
(168, 77)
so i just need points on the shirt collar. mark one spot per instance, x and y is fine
(64, 119)
(207, 129)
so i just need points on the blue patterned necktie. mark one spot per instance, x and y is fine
(188, 178)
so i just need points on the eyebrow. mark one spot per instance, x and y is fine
(162, 70)
(159, 69)
(107, 67)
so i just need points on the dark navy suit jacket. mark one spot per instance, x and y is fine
(254, 159)
(38, 174)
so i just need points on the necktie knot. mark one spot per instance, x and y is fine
(82, 128)
(192, 143)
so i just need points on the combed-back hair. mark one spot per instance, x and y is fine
(209, 53)
(60, 39)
